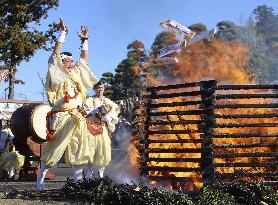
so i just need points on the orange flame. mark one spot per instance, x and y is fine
(227, 63)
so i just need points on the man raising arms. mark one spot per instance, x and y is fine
(66, 86)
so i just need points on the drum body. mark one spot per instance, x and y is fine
(29, 121)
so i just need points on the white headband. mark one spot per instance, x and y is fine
(63, 56)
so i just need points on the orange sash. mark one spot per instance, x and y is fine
(94, 128)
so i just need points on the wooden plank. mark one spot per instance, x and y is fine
(176, 86)
(235, 125)
(245, 145)
(240, 135)
(245, 96)
(171, 169)
(270, 105)
(195, 141)
(173, 179)
(245, 174)
(174, 104)
(174, 150)
(163, 122)
(197, 160)
(153, 132)
(251, 154)
(245, 87)
(236, 116)
(172, 95)
(245, 164)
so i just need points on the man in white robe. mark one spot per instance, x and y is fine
(66, 86)
(102, 118)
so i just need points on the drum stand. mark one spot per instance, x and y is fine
(29, 172)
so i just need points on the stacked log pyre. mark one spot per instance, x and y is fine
(139, 120)
(193, 134)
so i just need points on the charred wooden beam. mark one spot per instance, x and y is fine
(187, 112)
(138, 134)
(245, 96)
(146, 128)
(195, 141)
(231, 125)
(153, 132)
(171, 178)
(138, 122)
(167, 87)
(172, 95)
(244, 183)
(207, 89)
(246, 174)
(241, 135)
(245, 87)
(172, 169)
(173, 150)
(174, 104)
(247, 164)
(140, 113)
(162, 122)
(236, 116)
(253, 154)
(222, 106)
(244, 145)
(197, 160)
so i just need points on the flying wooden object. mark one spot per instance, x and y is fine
(186, 33)
(177, 28)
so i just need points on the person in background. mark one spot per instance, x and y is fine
(101, 120)
(10, 160)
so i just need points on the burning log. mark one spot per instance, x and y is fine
(236, 116)
(170, 159)
(223, 106)
(243, 135)
(175, 104)
(171, 141)
(176, 86)
(245, 87)
(245, 96)
(172, 150)
(245, 164)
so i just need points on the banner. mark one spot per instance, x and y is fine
(3, 75)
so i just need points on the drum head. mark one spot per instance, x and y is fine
(38, 123)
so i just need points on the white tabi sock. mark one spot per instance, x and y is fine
(40, 178)
(77, 172)
(101, 172)
(11, 173)
(89, 174)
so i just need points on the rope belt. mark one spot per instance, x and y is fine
(49, 132)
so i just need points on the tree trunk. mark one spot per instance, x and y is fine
(11, 81)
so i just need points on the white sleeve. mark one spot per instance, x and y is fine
(87, 76)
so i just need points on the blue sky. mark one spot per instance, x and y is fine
(114, 24)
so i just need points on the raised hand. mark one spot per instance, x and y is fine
(84, 33)
(62, 25)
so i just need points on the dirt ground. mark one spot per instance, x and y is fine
(13, 193)
(16, 193)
